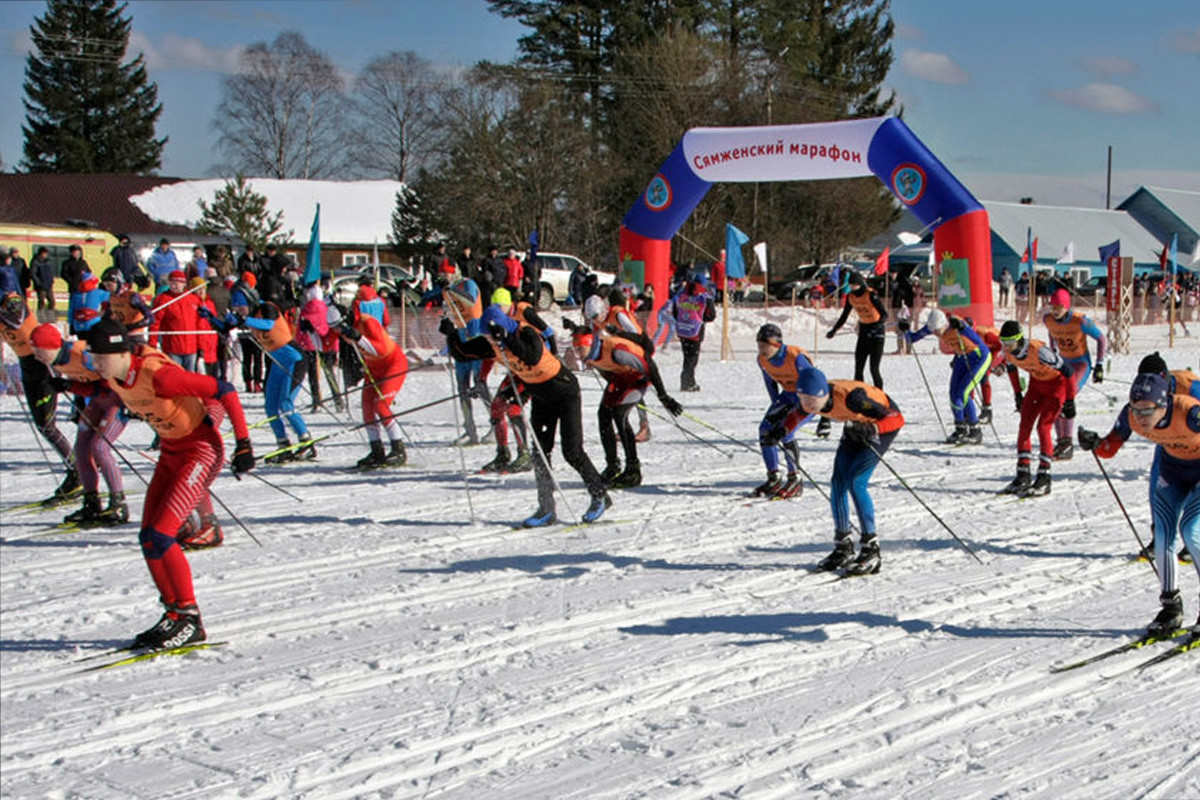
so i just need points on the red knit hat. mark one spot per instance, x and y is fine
(46, 337)
(177, 275)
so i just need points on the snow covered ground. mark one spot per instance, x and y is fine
(394, 637)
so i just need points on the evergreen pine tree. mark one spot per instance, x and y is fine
(237, 210)
(87, 110)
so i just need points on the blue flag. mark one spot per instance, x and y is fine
(312, 262)
(1174, 254)
(1108, 251)
(735, 266)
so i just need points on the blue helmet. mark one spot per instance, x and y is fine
(812, 382)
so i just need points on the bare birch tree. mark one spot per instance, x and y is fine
(282, 114)
(398, 101)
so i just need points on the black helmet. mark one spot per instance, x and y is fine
(769, 333)
(113, 274)
(1011, 331)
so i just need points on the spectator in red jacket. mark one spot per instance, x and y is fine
(176, 319)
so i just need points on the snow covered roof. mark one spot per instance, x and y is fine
(352, 212)
(1167, 212)
(1054, 227)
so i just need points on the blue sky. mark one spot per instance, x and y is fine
(1017, 98)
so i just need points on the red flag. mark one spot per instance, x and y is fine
(881, 263)
(1025, 255)
(1162, 259)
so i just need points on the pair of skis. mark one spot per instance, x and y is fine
(122, 656)
(1188, 640)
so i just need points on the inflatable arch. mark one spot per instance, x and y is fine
(882, 146)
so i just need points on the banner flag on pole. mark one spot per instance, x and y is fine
(735, 266)
(881, 263)
(1030, 247)
(760, 253)
(1108, 251)
(1068, 254)
(1174, 254)
(312, 262)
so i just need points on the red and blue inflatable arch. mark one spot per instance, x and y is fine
(880, 146)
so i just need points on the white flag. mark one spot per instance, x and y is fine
(1068, 254)
(760, 253)
(1196, 252)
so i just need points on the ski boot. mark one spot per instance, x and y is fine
(305, 450)
(117, 512)
(1184, 556)
(610, 473)
(629, 478)
(643, 432)
(70, 487)
(89, 514)
(499, 463)
(374, 459)
(397, 456)
(793, 487)
(177, 627)
(985, 415)
(974, 435)
(1147, 552)
(284, 453)
(600, 504)
(540, 519)
(1041, 485)
(769, 487)
(1063, 450)
(868, 561)
(1020, 483)
(522, 463)
(959, 436)
(843, 553)
(1170, 617)
(206, 537)
(824, 426)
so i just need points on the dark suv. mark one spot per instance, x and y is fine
(801, 280)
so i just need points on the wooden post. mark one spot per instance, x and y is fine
(726, 345)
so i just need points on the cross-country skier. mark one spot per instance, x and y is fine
(16, 326)
(384, 368)
(100, 424)
(185, 410)
(127, 305)
(781, 366)
(624, 358)
(872, 326)
(1069, 331)
(511, 395)
(464, 310)
(555, 404)
(1051, 391)
(872, 420)
(1172, 422)
(971, 361)
(274, 335)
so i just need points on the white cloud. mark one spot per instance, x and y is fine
(1107, 66)
(1104, 98)
(935, 67)
(1187, 41)
(173, 52)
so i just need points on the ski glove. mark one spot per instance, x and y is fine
(670, 404)
(59, 384)
(306, 326)
(570, 324)
(1098, 373)
(497, 331)
(1018, 397)
(902, 325)
(347, 330)
(956, 324)
(243, 458)
(446, 326)
(1088, 439)
(1068, 409)
(860, 433)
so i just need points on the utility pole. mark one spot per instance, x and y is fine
(1108, 186)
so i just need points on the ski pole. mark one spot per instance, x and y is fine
(462, 459)
(930, 391)
(942, 522)
(685, 431)
(37, 435)
(1112, 401)
(1117, 497)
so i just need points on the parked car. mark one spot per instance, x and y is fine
(1093, 286)
(800, 280)
(395, 283)
(554, 277)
